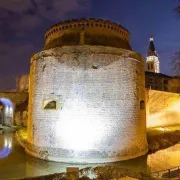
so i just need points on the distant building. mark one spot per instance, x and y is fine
(174, 85)
(152, 60)
(153, 78)
(157, 81)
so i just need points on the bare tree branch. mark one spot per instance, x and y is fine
(177, 10)
(176, 58)
(176, 63)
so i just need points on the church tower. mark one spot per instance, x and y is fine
(152, 60)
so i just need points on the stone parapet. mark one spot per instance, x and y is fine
(87, 31)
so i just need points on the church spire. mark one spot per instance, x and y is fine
(151, 50)
(152, 60)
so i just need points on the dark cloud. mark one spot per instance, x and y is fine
(61, 9)
(18, 6)
(3, 13)
(26, 22)
(37, 11)
(49, 9)
(15, 58)
(7, 82)
(20, 34)
(21, 31)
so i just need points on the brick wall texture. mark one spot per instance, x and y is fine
(98, 92)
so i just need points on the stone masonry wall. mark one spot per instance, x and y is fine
(163, 108)
(98, 91)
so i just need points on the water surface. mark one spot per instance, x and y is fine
(15, 163)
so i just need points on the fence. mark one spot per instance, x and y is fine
(168, 173)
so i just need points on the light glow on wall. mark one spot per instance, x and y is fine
(79, 129)
(10, 110)
(160, 118)
(7, 110)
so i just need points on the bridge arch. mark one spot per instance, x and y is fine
(6, 112)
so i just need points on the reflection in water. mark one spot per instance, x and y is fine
(15, 163)
(18, 164)
(164, 159)
(36, 167)
(6, 150)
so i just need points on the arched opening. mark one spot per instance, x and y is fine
(142, 105)
(6, 150)
(50, 104)
(6, 112)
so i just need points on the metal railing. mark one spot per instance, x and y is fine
(168, 173)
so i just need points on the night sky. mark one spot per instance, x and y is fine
(23, 23)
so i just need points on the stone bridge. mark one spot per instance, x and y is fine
(13, 108)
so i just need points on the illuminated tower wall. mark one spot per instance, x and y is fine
(152, 61)
(87, 101)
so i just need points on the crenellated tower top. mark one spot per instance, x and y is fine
(87, 32)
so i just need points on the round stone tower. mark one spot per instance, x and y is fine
(86, 95)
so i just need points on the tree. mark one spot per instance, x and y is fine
(176, 63)
(176, 57)
(177, 10)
